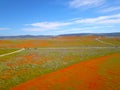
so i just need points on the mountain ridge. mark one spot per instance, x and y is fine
(116, 34)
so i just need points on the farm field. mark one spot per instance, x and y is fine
(44, 57)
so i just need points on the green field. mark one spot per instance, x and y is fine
(115, 41)
(4, 51)
(83, 41)
(47, 55)
(111, 70)
(23, 66)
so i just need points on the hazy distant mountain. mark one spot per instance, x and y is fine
(25, 36)
(95, 34)
(50, 36)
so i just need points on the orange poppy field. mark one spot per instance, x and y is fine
(62, 62)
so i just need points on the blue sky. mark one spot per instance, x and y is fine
(54, 17)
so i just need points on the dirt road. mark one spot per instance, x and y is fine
(12, 52)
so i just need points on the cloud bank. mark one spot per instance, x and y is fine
(85, 3)
(77, 25)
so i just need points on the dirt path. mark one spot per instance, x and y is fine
(81, 76)
(12, 52)
(88, 47)
(97, 39)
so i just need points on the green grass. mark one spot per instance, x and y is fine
(110, 70)
(115, 41)
(30, 63)
(26, 65)
(3, 50)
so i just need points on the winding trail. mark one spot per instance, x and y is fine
(80, 76)
(86, 47)
(12, 52)
(97, 39)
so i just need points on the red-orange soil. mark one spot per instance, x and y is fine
(81, 76)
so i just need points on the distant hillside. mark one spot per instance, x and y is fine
(25, 36)
(50, 36)
(95, 34)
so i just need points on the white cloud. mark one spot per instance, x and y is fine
(77, 24)
(85, 3)
(111, 19)
(73, 30)
(43, 26)
(110, 9)
(4, 28)
(49, 25)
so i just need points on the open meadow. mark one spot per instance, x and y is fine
(63, 62)
(59, 44)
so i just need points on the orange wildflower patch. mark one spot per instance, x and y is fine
(81, 76)
(4, 41)
(29, 59)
